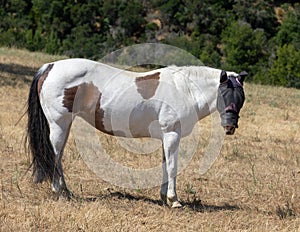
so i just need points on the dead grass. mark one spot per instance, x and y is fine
(253, 186)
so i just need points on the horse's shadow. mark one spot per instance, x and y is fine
(198, 206)
(17, 74)
(195, 205)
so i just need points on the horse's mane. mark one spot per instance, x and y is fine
(203, 71)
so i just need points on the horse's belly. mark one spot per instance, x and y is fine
(147, 119)
(132, 119)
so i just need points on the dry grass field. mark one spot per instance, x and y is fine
(254, 185)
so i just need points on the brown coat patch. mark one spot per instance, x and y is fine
(147, 85)
(43, 77)
(84, 100)
(69, 97)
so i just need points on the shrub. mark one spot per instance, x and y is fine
(285, 69)
(243, 47)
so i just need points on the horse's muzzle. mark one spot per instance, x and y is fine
(229, 130)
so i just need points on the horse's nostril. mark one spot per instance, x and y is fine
(229, 130)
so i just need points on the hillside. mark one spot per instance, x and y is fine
(253, 186)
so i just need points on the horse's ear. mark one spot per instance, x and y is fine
(223, 77)
(242, 76)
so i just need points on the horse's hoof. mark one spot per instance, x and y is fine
(176, 204)
(173, 202)
(63, 194)
(66, 194)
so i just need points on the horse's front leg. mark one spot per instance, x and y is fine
(164, 185)
(170, 149)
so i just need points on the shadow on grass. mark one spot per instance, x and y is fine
(118, 195)
(13, 74)
(196, 206)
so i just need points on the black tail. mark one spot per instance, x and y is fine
(43, 156)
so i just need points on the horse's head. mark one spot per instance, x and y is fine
(230, 100)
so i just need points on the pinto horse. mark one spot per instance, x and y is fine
(174, 97)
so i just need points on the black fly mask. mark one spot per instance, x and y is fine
(230, 100)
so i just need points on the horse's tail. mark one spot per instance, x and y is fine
(42, 152)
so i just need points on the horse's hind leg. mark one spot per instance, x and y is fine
(59, 132)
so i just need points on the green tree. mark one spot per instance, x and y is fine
(131, 14)
(51, 23)
(258, 13)
(243, 47)
(289, 30)
(14, 22)
(285, 69)
(210, 57)
(81, 42)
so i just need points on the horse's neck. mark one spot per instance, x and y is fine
(203, 84)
